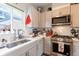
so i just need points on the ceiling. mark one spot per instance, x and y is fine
(23, 6)
(41, 4)
(47, 4)
(58, 4)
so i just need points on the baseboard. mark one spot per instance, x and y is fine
(44, 54)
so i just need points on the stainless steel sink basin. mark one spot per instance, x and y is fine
(10, 45)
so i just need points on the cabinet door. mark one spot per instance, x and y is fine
(25, 54)
(48, 19)
(75, 48)
(39, 19)
(40, 47)
(76, 51)
(35, 15)
(47, 45)
(75, 15)
(55, 13)
(43, 19)
(64, 10)
(33, 51)
(49, 14)
(61, 10)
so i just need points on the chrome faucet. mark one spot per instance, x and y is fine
(18, 34)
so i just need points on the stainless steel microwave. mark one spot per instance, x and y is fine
(63, 20)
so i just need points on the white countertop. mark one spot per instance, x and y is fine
(75, 39)
(5, 51)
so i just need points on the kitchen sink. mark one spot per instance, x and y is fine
(11, 45)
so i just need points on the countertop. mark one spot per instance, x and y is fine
(5, 51)
(75, 39)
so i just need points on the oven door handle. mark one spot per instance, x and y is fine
(63, 42)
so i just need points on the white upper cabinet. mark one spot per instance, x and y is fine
(40, 47)
(35, 17)
(61, 10)
(75, 15)
(49, 14)
(48, 18)
(43, 19)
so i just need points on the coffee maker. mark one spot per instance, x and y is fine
(35, 32)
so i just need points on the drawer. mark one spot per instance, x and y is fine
(76, 44)
(47, 51)
(76, 51)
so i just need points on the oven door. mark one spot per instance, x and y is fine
(66, 52)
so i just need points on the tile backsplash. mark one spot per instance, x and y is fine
(62, 30)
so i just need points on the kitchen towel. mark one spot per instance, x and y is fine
(61, 47)
(28, 20)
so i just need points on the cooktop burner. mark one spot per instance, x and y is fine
(62, 38)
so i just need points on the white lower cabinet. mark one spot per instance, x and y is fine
(40, 47)
(35, 50)
(25, 54)
(32, 51)
(47, 45)
(76, 49)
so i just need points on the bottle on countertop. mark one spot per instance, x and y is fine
(49, 32)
